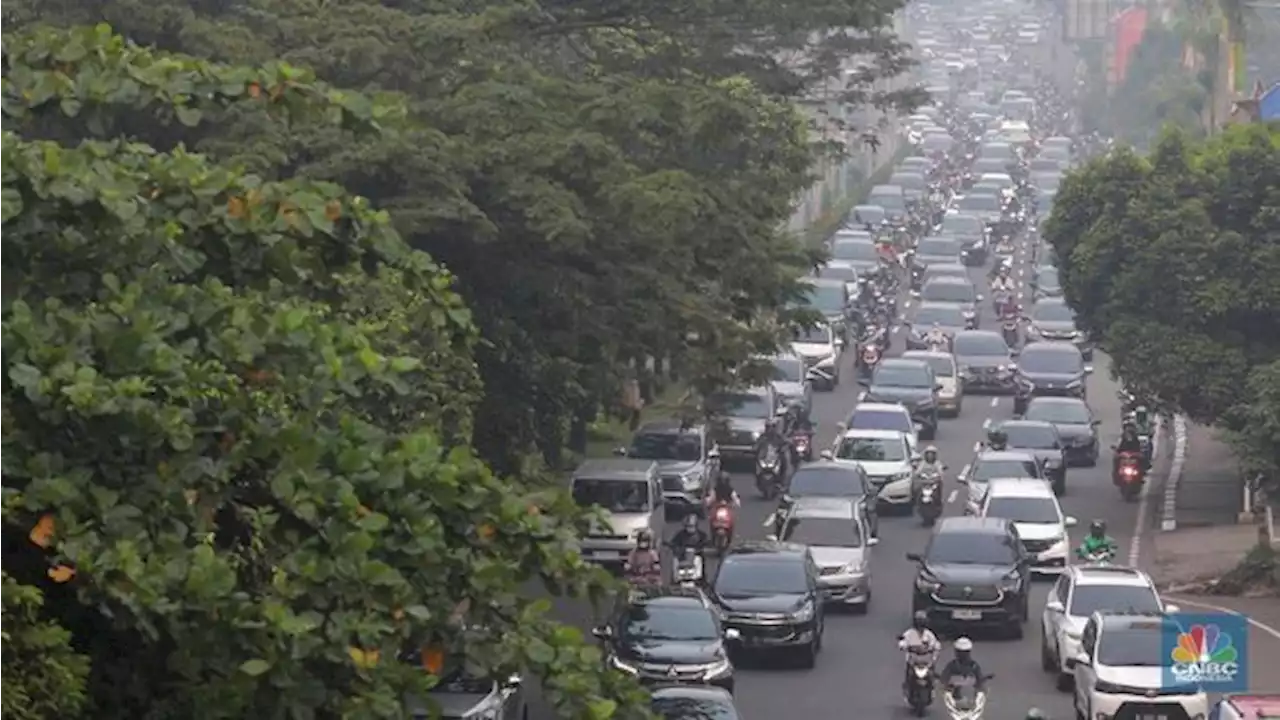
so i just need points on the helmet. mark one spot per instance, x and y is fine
(997, 437)
(937, 325)
(691, 521)
(964, 645)
(931, 453)
(644, 539)
(1098, 527)
(1036, 714)
(920, 620)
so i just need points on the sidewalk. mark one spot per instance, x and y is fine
(1209, 492)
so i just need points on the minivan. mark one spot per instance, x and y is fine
(629, 492)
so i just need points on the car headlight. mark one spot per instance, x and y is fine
(902, 475)
(969, 314)
(828, 361)
(691, 481)
(925, 583)
(1058, 543)
(618, 663)
(1010, 583)
(804, 614)
(720, 668)
(755, 434)
(1075, 384)
(853, 568)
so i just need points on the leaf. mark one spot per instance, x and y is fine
(363, 658)
(333, 210)
(61, 573)
(419, 612)
(42, 533)
(405, 364)
(374, 522)
(603, 709)
(188, 116)
(254, 667)
(26, 377)
(539, 652)
(236, 208)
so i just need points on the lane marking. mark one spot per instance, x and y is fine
(995, 401)
(952, 497)
(1273, 632)
(1169, 516)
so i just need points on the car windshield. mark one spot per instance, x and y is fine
(985, 203)
(942, 365)
(1048, 278)
(968, 548)
(674, 707)
(846, 273)
(743, 405)
(872, 449)
(909, 376)
(684, 447)
(1089, 599)
(880, 420)
(641, 622)
(619, 496)
(1070, 413)
(744, 575)
(873, 214)
(788, 369)
(956, 292)
(1049, 360)
(813, 334)
(938, 247)
(854, 251)
(944, 315)
(824, 532)
(1052, 312)
(888, 201)
(1134, 646)
(999, 151)
(826, 482)
(908, 180)
(981, 344)
(937, 142)
(1024, 509)
(1033, 437)
(827, 298)
(985, 470)
(962, 225)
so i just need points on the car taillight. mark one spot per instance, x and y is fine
(722, 514)
(1129, 470)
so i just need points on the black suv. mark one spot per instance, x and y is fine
(1041, 439)
(768, 593)
(974, 572)
(668, 635)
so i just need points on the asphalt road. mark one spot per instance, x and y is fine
(860, 670)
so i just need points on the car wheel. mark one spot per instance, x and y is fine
(1064, 682)
(809, 657)
(1016, 630)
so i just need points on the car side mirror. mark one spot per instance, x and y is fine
(514, 681)
(1082, 659)
(938, 387)
(915, 557)
(981, 297)
(1171, 608)
(602, 632)
(732, 634)
(1070, 522)
(872, 542)
(1095, 423)
(1088, 369)
(841, 427)
(1054, 606)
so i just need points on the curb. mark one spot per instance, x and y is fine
(1169, 513)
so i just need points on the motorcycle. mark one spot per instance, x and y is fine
(965, 702)
(920, 691)
(721, 527)
(929, 502)
(688, 569)
(802, 442)
(869, 358)
(769, 473)
(1129, 475)
(1100, 557)
(643, 576)
(1009, 330)
(1022, 397)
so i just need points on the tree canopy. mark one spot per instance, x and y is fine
(1170, 262)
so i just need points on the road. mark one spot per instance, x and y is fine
(860, 670)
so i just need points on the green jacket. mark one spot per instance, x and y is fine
(1093, 544)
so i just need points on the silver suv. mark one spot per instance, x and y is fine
(629, 494)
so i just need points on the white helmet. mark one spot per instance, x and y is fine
(964, 644)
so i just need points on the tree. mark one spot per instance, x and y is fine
(1158, 90)
(236, 414)
(43, 677)
(639, 161)
(1169, 262)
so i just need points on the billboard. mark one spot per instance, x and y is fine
(1130, 26)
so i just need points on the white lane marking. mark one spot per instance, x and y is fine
(1144, 504)
(952, 497)
(1169, 516)
(1273, 632)
(995, 401)
(963, 471)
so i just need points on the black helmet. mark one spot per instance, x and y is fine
(644, 539)
(920, 620)
(1036, 714)
(1098, 527)
(997, 437)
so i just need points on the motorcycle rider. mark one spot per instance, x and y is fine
(1129, 443)
(690, 536)
(963, 665)
(779, 516)
(997, 439)
(643, 562)
(929, 464)
(1097, 541)
(723, 492)
(773, 437)
(1002, 282)
(919, 635)
(936, 337)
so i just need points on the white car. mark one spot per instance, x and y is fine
(883, 416)
(1035, 512)
(989, 465)
(820, 349)
(885, 455)
(1121, 665)
(1080, 592)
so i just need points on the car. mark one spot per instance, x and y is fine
(1055, 368)
(883, 416)
(831, 298)
(668, 635)
(828, 479)
(886, 457)
(1120, 670)
(948, 316)
(910, 383)
(692, 702)
(769, 593)
(974, 572)
(738, 418)
(937, 270)
(954, 290)
(988, 465)
(461, 695)
(1075, 423)
(1056, 143)
(1052, 319)
(1045, 164)
(1079, 592)
(629, 491)
(986, 363)
(1047, 180)
(820, 347)
(789, 381)
(947, 372)
(1033, 508)
(972, 233)
(939, 250)
(996, 150)
(987, 206)
(913, 184)
(841, 545)
(858, 250)
(840, 270)
(686, 463)
(892, 199)
(867, 215)
(1040, 439)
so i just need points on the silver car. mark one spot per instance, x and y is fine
(840, 545)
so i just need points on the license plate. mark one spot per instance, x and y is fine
(966, 614)
(1151, 717)
(606, 554)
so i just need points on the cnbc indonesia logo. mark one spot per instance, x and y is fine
(1205, 654)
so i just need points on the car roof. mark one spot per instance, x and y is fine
(824, 507)
(766, 549)
(1021, 488)
(1006, 424)
(972, 524)
(824, 282)
(985, 333)
(881, 407)
(1058, 400)
(1019, 455)
(871, 433)
(935, 305)
(669, 425)
(667, 596)
(903, 362)
(949, 280)
(1052, 346)
(925, 355)
(1115, 575)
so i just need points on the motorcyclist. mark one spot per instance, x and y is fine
(919, 636)
(773, 437)
(936, 336)
(723, 492)
(1129, 443)
(690, 536)
(1096, 541)
(929, 464)
(643, 562)
(963, 665)
(1002, 282)
(779, 516)
(997, 439)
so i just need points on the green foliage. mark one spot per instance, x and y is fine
(44, 679)
(1170, 261)
(236, 413)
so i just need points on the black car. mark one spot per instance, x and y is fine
(985, 362)
(949, 318)
(974, 572)
(1042, 440)
(691, 702)
(1051, 319)
(768, 592)
(910, 383)
(669, 635)
(973, 235)
(1075, 423)
(1054, 368)
(844, 480)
